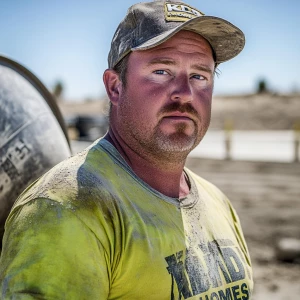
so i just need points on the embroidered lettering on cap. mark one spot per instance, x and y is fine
(180, 13)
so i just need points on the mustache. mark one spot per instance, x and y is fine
(183, 108)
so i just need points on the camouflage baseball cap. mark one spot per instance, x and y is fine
(149, 24)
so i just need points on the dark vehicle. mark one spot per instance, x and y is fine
(90, 128)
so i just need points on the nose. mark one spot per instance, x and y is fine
(182, 90)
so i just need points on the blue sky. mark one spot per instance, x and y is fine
(69, 40)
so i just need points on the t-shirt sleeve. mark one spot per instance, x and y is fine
(49, 253)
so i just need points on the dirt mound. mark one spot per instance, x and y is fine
(256, 112)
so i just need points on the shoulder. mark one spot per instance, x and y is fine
(72, 179)
(74, 191)
(212, 192)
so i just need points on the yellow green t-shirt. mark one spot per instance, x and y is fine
(91, 229)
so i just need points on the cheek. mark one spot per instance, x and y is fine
(149, 97)
(138, 106)
(150, 88)
(204, 100)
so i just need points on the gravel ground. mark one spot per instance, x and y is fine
(267, 199)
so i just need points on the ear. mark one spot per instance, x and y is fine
(113, 85)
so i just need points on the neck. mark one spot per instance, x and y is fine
(165, 176)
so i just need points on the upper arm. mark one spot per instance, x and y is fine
(49, 253)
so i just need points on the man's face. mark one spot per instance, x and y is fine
(165, 108)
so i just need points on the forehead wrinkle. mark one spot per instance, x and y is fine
(193, 49)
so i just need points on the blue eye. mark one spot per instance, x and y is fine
(199, 77)
(160, 72)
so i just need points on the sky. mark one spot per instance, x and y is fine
(69, 40)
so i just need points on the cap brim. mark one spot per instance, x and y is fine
(226, 39)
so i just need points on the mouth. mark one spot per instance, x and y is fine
(179, 117)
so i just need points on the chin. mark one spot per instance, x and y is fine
(177, 142)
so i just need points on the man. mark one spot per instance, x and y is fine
(124, 219)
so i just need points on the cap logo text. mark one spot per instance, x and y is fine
(180, 13)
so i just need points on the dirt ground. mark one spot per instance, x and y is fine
(267, 199)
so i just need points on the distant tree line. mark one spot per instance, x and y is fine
(262, 86)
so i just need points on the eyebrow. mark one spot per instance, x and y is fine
(170, 62)
(204, 68)
(164, 61)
